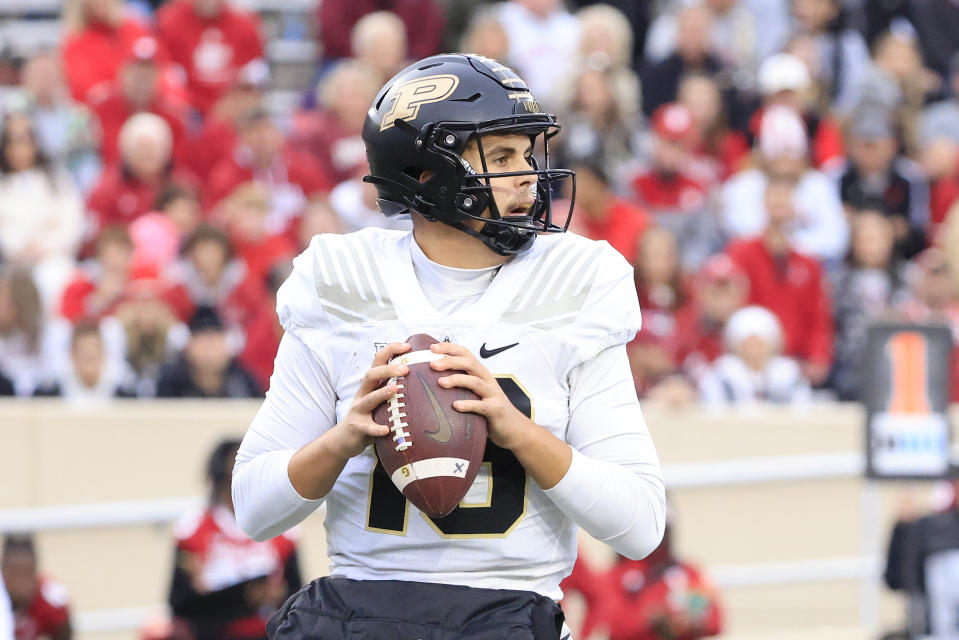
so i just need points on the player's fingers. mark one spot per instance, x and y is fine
(470, 406)
(368, 403)
(373, 428)
(375, 376)
(466, 381)
(383, 355)
(462, 363)
(450, 349)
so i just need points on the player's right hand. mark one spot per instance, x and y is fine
(352, 435)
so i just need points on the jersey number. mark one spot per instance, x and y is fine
(507, 477)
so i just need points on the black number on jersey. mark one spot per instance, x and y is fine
(388, 507)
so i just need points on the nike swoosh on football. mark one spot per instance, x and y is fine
(489, 353)
(444, 430)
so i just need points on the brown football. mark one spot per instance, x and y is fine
(433, 451)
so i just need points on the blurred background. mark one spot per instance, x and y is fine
(782, 174)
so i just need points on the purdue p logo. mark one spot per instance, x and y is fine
(409, 96)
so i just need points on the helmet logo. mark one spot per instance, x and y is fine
(408, 97)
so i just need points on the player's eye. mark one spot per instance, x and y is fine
(501, 161)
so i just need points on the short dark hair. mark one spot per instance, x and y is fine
(85, 327)
(218, 468)
(171, 192)
(208, 233)
(113, 233)
(19, 542)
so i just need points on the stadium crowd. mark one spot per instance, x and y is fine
(781, 174)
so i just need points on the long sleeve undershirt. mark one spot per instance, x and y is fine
(613, 489)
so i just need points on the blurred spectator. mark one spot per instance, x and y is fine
(602, 119)
(379, 41)
(206, 368)
(264, 331)
(790, 284)
(152, 333)
(98, 40)
(218, 137)
(784, 80)
(920, 561)
(666, 299)
(543, 38)
(604, 215)
(875, 172)
(318, 218)
(243, 215)
(719, 151)
(840, 51)
(638, 16)
(897, 56)
(723, 288)
(423, 22)
(671, 197)
(732, 35)
(354, 202)
(41, 211)
(657, 598)
(753, 369)
(290, 176)
(156, 242)
(98, 285)
(938, 147)
(818, 227)
(693, 54)
(937, 24)
(65, 129)
(868, 285)
(211, 40)
(90, 374)
(40, 604)
(130, 189)
(606, 39)
(934, 298)
(210, 274)
(181, 206)
(23, 333)
(485, 36)
(136, 90)
(332, 133)
(226, 585)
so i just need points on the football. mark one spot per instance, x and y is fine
(433, 451)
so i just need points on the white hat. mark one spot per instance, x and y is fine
(782, 133)
(782, 72)
(753, 321)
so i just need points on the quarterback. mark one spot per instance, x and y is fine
(538, 320)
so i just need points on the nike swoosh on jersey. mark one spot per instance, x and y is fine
(444, 430)
(489, 353)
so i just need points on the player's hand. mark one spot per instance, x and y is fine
(351, 436)
(506, 424)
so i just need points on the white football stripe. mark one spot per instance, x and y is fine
(430, 468)
(417, 357)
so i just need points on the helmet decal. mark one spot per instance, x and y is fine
(408, 97)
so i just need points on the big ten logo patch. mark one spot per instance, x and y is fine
(408, 97)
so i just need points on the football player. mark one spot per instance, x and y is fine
(537, 318)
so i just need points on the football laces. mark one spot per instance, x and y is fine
(398, 424)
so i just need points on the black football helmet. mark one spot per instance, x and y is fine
(422, 120)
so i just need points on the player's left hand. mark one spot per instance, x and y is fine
(505, 423)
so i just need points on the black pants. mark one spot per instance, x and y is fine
(339, 608)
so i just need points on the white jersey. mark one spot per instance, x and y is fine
(6, 614)
(546, 312)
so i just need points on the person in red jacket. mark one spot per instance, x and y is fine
(424, 21)
(130, 189)
(99, 285)
(657, 598)
(41, 606)
(218, 136)
(138, 89)
(98, 40)
(605, 216)
(292, 177)
(225, 585)
(264, 331)
(332, 133)
(243, 215)
(673, 198)
(789, 284)
(211, 40)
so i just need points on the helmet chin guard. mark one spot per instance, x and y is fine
(446, 102)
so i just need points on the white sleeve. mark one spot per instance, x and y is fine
(6, 614)
(299, 407)
(614, 487)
